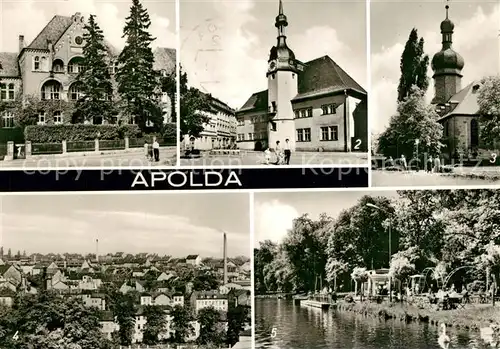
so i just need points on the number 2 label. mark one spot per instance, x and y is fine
(357, 144)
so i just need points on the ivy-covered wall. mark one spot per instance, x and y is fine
(79, 132)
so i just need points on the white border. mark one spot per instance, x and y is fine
(251, 216)
(369, 82)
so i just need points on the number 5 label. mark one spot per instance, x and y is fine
(274, 332)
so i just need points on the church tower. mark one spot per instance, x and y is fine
(447, 66)
(282, 80)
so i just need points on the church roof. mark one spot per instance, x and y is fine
(52, 32)
(320, 77)
(464, 102)
(8, 64)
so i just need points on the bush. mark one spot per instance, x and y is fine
(170, 132)
(79, 132)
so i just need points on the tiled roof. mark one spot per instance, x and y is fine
(464, 102)
(8, 64)
(323, 75)
(164, 59)
(320, 76)
(258, 101)
(52, 32)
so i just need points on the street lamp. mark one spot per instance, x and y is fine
(390, 240)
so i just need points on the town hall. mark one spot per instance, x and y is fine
(316, 105)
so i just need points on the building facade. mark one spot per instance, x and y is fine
(457, 107)
(47, 69)
(219, 132)
(316, 105)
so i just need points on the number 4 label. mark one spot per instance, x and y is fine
(16, 336)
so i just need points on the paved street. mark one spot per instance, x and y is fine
(131, 159)
(464, 177)
(299, 158)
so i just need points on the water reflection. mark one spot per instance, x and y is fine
(308, 328)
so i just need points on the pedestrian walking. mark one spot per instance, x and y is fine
(404, 163)
(279, 154)
(156, 150)
(288, 151)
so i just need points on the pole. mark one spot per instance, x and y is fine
(346, 147)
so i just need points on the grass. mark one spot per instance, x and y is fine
(471, 317)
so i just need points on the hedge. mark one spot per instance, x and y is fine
(78, 132)
(15, 135)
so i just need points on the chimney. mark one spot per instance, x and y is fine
(21, 43)
(225, 259)
(97, 250)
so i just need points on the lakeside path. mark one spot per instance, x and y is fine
(116, 159)
(472, 316)
(460, 176)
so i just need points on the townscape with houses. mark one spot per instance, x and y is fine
(141, 298)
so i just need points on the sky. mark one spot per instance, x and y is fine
(167, 224)
(274, 212)
(29, 17)
(225, 44)
(475, 37)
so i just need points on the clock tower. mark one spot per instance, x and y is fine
(282, 80)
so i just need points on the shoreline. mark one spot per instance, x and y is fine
(468, 318)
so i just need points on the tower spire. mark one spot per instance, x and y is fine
(281, 21)
(281, 8)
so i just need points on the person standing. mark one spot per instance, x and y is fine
(430, 162)
(288, 151)
(277, 151)
(156, 150)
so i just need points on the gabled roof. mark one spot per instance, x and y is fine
(322, 76)
(52, 32)
(319, 77)
(4, 268)
(8, 64)
(464, 102)
(257, 101)
(164, 59)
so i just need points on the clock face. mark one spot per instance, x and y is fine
(78, 40)
(272, 65)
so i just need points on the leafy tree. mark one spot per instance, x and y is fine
(488, 99)
(138, 83)
(193, 106)
(415, 120)
(263, 256)
(94, 79)
(155, 324)
(305, 246)
(181, 324)
(413, 65)
(124, 310)
(401, 268)
(205, 281)
(236, 318)
(210, 331)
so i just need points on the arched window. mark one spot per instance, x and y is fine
(51, 90)
(115, 67)
(75, 91)
(58, 66)
(36, 63)
(474, 133)
(75, 65)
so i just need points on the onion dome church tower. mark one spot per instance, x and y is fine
(282, 77)
(447, 66)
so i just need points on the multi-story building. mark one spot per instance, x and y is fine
(47, 68)
(209, 299)
(219, 132)
(316, 105)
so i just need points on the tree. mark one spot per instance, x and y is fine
(181, 324)
(94, 79)
(193, 106)
(413, 67)
(236, 318)
(124, 311)
(415, 120)
(138, 83)
(263, 256)
(155, 317)
(488, 99)
(401, 268)
(205, 281)
(210, 331)
(9, 254)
